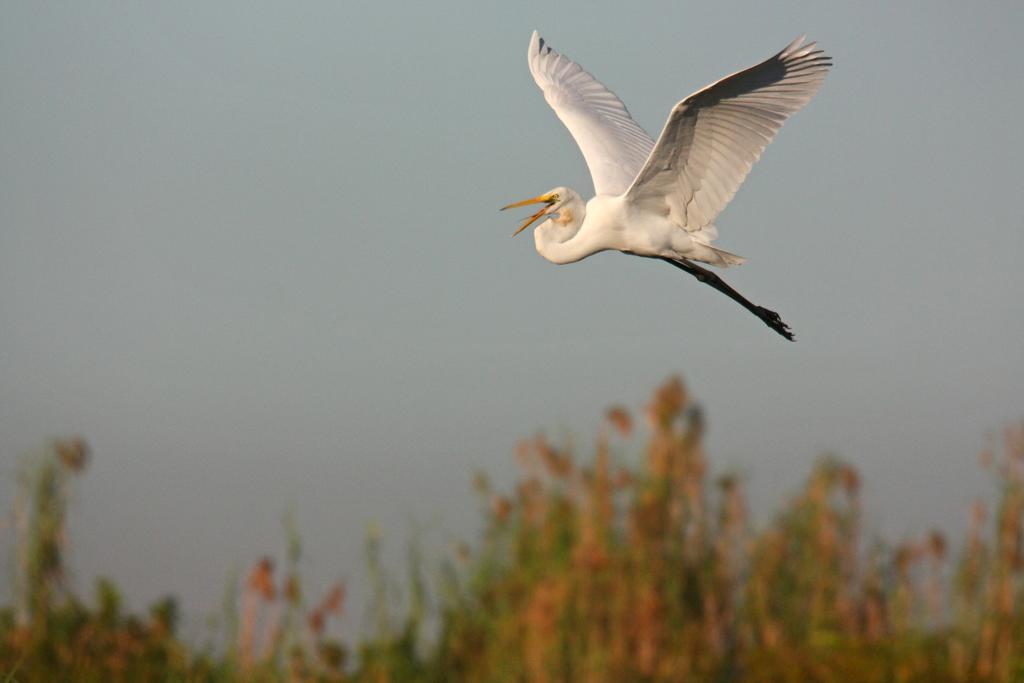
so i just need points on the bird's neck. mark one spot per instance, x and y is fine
(560, 239)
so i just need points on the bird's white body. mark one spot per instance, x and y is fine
(659, 199)
(613, 222)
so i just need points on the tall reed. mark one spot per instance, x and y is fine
(633, 564)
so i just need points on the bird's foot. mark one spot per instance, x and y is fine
(772, 320)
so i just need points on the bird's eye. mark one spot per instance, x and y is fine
(555, 198)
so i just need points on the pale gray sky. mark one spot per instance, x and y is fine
(252, 253)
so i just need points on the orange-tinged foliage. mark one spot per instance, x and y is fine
(587, 570)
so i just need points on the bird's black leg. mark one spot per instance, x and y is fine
(770, 318)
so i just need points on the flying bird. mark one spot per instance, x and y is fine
(660, 199)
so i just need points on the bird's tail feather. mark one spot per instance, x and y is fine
(701, 249)
(715, 256)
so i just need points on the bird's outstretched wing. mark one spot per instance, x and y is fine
(714, 136)
(614, 146)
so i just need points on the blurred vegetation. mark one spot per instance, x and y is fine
(590, 571)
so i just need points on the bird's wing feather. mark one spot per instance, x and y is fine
(614, 146)
(714, 136)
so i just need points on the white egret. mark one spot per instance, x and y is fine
(660, 199)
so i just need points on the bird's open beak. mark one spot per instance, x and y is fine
(545, 199)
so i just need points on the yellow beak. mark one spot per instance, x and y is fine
(545, 199)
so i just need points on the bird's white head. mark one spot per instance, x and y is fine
(563, 209)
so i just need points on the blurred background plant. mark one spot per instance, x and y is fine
(588, 570)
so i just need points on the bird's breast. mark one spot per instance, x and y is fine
(628, 227)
